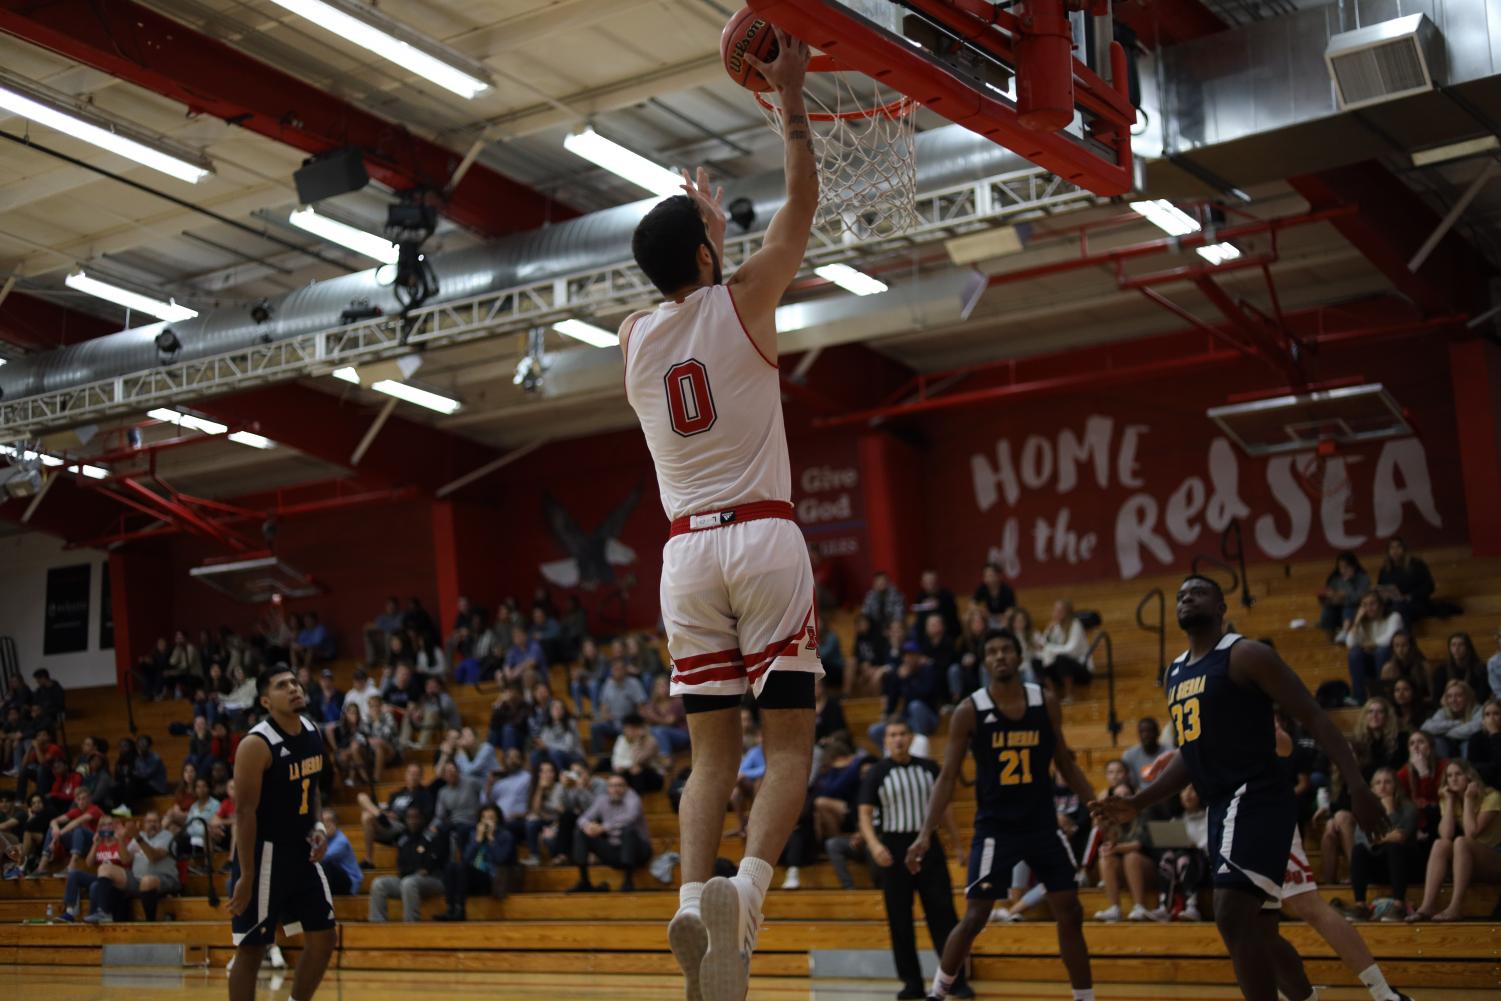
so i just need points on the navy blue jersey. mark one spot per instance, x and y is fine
(1013, 789)
(285, 813)
(1225, 730)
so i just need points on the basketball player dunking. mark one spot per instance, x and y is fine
(737, 587)
(1220, 694)
(279, 841)
(1015, 733)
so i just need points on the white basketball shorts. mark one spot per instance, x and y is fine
(737, 603)
(1299, 876)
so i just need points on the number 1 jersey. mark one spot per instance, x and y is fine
(285, 815)
(710, 405)
(1013, 788)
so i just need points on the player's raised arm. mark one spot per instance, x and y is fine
(1063, 756)
(1260, 665)
(961, 727)
(761, 280)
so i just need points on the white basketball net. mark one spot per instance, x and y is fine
(867, 159)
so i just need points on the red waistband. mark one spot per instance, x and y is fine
(755, 511)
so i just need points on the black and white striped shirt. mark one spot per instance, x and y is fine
(900, 793)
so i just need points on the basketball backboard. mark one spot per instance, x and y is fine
(255, 578)
(1011, 79)
(1300, 422)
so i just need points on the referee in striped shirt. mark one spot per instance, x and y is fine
(897, 788)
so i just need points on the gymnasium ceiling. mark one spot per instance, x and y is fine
(644, 72)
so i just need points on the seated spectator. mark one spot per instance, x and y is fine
(340, 867)
(467, 624)
(585, 677)
(417, 620)
(351, 748)
(828, 712)
(667, 717)
(147, 871)
(523, 662)
(325, 703)
(1420, 780)
(421, 853)
(1485, 746)
(1469, 829)
(938, 647)
(12, 817)
(183, 795)
(543, 809)
(383, 824)
(509, 787)
(994, 595)
(17, 695)
(883, 603)
(378, 633)
(195, 828)
(558, 740)
(1407, 663)
(912, 695)
(35, 822)
(1464, 664)
(1369, 640)
(64, 782)
(833, 799)
(508, 717)
(184, 667)
(1377, 743)
(399, 651)
(1148, 749)
(1406, 582)
(151, 670)
(148, 773)
(12, 733)
(361, 691)
(933, 598)
(871, 653)
(969, 648)
(574, 794)
(382, 733)
(1186, 870)
(208, 701)
(481, 868)
(1064, 651)
(1129, 857)
(1457, 719)
(636, 756)
(1409, 710)
(475, 758)
(458, 804)
(69, 835)
(620, 696)
(200, 746)
(49, 695)
(547, 634)
(221, 824)
(35, 764)
(241, 698)
(1340, 598)
(428, 657)
(1031, 644)
(435, 712)
(104, 849)
(313, 644)
(1391, 857)
(403, 688)
(614, 831)
(831, 655)
(752, 770)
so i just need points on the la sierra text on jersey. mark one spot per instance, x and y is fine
(1162, 523)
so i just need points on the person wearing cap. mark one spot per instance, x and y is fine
(359, 694)
(912, 691)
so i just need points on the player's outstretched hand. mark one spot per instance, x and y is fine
(240, 902)
(1369, 813)
(1112, 811)
(787, 70)
(319, 842)
(915, 853)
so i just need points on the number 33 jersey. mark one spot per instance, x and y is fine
(285, 814)
(710, 405)
(1013, 788)
(1225, 730)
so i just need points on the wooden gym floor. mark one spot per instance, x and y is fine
(43, 983)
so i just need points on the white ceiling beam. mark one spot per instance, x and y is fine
(607, 97)
(534, 26)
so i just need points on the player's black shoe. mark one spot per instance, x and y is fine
(1401, 996)
(962, 990)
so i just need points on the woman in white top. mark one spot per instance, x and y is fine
(1458, 718)
(1064, 647)
(1370, 641)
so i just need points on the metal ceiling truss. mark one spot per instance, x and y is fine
(611, 289)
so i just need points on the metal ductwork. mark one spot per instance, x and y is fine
(946, 156)
(1257, 103)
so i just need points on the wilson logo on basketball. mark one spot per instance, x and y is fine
(689, 399)
(735, 61)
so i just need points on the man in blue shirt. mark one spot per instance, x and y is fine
(312, 643)
(340, 866)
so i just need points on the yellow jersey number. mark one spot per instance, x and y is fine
(1186, 720)
(1016, 766)
(305, 784)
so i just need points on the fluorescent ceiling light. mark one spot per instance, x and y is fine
(169, 310)
(1167, 217)
(252, 439)
(374, 247)
(1453, 151)
(1219, 253)
(61, 112)
(588, 333)
(390, 40)
(346, 374)
(420, 397)
(92, 472)
(850, 280)
(618, 160)
(187, 420)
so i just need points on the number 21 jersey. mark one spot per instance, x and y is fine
(285, 814)
(1225, 730)
(1013, 789)
(710, 405)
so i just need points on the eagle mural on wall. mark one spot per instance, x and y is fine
(592, 556)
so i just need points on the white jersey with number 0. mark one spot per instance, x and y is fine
(710, 404)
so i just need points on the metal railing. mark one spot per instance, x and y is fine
(10, 663)
(1160, 628)
(1232, 547)
(1112, 722)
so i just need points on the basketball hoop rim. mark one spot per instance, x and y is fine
(902, 107)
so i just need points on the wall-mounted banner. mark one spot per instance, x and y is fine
(65, 628)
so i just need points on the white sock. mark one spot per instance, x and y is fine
(941, 983)
(1031, 898)
(1375, 982)
(755, 876)
(1083, 994)
(689, 895)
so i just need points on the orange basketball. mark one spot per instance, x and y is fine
(747, 32)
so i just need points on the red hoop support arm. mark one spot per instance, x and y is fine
(854, 42)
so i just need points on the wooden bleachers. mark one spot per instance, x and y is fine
(542, 929)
